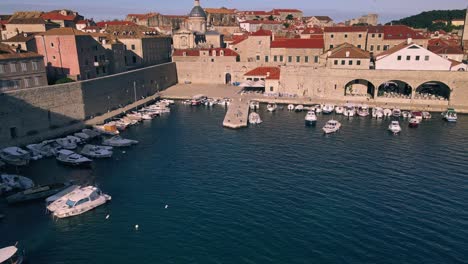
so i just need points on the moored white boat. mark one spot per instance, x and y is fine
(254, 105)
(9, 182)
(91, 133)
(299, 108)
(394, 127)
(37, 192)
(405, 114)
(44, 149)
(317, 108)
(349, 111)
(78, 202)
(339, 110)
(82, 136)
(426, 115)
(272, 107)
(254, 118)
(328, 109)
(66, 143)
(413, 122)
(49, 200)
(387, 112)
(417, 115)
(71, 158)
(363, 110)
(15, 156)
(94, 151)
(291, 107)
(396, 112)
(11, 255)
(310, 118)
(118, 141)
(331, 126)
(450, 115)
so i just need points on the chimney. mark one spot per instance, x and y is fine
(347, 54)
(268, 74)
(409, 41)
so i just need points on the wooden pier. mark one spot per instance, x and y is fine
(237, 115)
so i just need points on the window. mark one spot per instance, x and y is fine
(26, 82)
(95, 47)
(290, 59)
(316, 59)
(36, 80)
(275, 58)
(53, 57)
(260, 42)
(418, 57)
(15, 84)
(95, 59)
(380, 35)
(52, 44)
(97, 70)
(373, 35)
(378, 47)
(298, 59)
(426, 58)
(271, 88)
(104, 69)
(12, 67)
(266, 59)
(23, 66)
(331, 46)
(399, 58)
(371, 47)
(408, 58)
(281, 58)
(359, 46)
(133, 46)
(385, 47)
(212, 60)
(258, 57)
(343, 62)
(336, 62)
(350, 62)
(345, 35)
(332, 36)
(134, 60)
(13, 133)
(2, 68)
(360, 36)
(358, 62)
(34, 65)
(306, 59)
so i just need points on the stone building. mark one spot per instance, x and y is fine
(255, 47)
(205, 55)
(270, 75)
(380, 38)
(221, 17)
(283, 14)
(64, 17)
(335, 36)
(369, 19)
(24, 42)
(158, 20)
(20, 70)
(347, 56)
(465, 35)
(305, 52)
(27, 22)
(255, 25)
(318, 21)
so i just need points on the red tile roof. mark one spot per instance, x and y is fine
(239, 39)
(315, 43)
(396, 32)
(446, 50)
(262, 22)
(278, 11)
(257, 13)
(350, 50)
(220, 10)
(312, 31)
(58, 16)
(261, 32)
(274, 72)
(196, 52)
(115, 23)
(344, 29)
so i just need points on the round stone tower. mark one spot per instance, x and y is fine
(197, 18)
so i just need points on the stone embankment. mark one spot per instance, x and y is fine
(237, 115)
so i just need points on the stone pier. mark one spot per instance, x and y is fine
(237, 115)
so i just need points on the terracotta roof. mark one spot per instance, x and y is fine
(143, 16)
(22, 37)
(263, 71)
(58, 16)
(277, 11)
(114, 23)
(131, 31)
(344, 29)
(238, 39)
(394, 49)
(7, 53)
(446, 49)
(396, 32)
(62, 32)
(196, 52)
(324, 18)
(24, 21)
(262, 22)
(92, 28)
(257, 13)
(261, 32)
(220, 10)
(454, 63)
(298, 43)
(352, 51)
(313, 31)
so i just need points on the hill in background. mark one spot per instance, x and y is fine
(424, 20)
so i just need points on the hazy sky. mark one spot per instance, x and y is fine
(337, 9)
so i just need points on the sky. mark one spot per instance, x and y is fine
(339, 10)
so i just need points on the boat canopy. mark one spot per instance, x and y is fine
(7, 253)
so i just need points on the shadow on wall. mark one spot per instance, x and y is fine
(55, 73)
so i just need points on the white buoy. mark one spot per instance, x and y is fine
(107, 216)
(136, 227)
(165, 207)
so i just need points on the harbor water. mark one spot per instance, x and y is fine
(279, 192)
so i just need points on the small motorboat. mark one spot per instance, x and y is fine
(44, 149)
(15, 156)
(254, 105)
(405, 114)
(387, 112)
(317, 108)
(66, 143)
(9, 183)
(78, 202)
(396, 112)
(118, 141)
(450, 115)
(310, 118)
(94, 151)
(349, 111)
(377, 112)
(413, 122)
(272, 107)
(417, 115)
(187, 102)
(426, 115)
(339, 110)
(299, 108)
(134, 116)
(49, 200)
(328, 109)
(195, 102)
(71, 158)
(363, 110)
(107, 129)
(82, 136)
(291, 107)
(167, 102)
(331, 126)
(92, 133)
(394, 127)
(254, 118)
(11, 255)
(38, 192)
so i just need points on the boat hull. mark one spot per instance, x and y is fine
(310, 122)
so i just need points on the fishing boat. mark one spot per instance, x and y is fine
(291, 107)
(426, 115)
(254, 118)
(49, 200)
(387, 112)
(339, 110)
(328, 109)
(394, 127)
(38, 192)
(299, 108)
(78, 202)
(272, 107)
(9, 182)
(71, 158)
(134, 116)
(413, 122)
(363, 110)
(15, 156)
(11, 255)
(118, 141)
(396, 112)
(310, 118)
(450, 115)
(94, 151)
(331, 126)
(417, 115)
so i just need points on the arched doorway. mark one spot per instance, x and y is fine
(228, 78)
(395, 89)
(360, 88)
(433, 90)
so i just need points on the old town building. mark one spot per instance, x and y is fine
(27, 22)
(347, 56)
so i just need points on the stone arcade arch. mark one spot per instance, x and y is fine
(395, 89)
(359, 88)
(228, 78)
(433, 90)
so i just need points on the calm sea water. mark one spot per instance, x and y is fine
(279, 192)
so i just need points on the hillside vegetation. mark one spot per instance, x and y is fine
(424, 20)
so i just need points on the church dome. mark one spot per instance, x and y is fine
(197, 10)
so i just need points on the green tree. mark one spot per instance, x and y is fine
(271, 18)
(289, 17)
(286, 25)
(64, 80)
